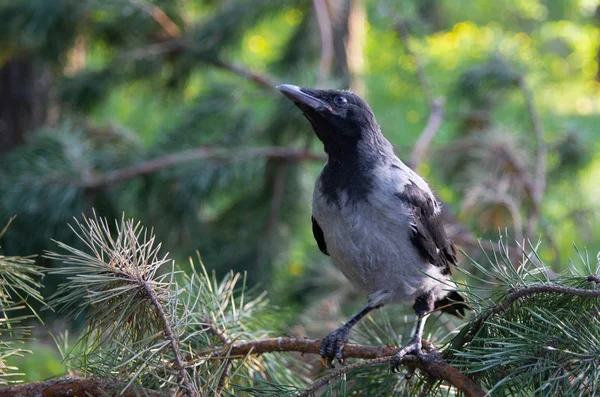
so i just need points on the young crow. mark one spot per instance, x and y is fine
(377, 219)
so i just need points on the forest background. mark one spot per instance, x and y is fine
(166, 111)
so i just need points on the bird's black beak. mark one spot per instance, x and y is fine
(303, 98)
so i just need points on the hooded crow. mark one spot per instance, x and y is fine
(375, 217)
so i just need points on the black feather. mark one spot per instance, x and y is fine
(428, 233)
(318, 233)
(453, 303)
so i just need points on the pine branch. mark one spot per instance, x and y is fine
(173, 340)
(437, 367)
(222, 335)
(528, 291)
(70, 386)
(173, 159)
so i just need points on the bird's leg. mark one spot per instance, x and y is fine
(333, 344)
(423, 306)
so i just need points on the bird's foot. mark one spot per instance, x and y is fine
(333, 345)
(413, 347)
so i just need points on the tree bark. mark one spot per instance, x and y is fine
(24, 98)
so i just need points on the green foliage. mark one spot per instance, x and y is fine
(545, 342)
(142, 314)
(19, 286)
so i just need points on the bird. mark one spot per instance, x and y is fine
(376, 218)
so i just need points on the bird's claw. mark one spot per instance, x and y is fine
(414, 347)
(333, 345)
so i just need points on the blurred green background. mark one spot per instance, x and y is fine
(155, 109)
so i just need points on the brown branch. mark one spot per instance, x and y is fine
(175, 45)
(222, 335)
(258, 78)
(544, 289)
(436, 117)
(326, 33)
(173, 159)
(70, 386)
(527, 291)
(374, 354)
(173, 339)
(159, 16)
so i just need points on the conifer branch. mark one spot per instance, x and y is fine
(173, 340)
(374, 355)
(174, 159)
(528, 291)
(544, 289)
(71, 386)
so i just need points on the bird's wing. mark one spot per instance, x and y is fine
(428, 233)
(318, 233)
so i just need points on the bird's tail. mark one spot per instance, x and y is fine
(453, 303)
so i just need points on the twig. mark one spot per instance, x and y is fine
(159, 16)
(326, 33)
(375, 354)
(436, 116)
(337, 373)
(70, 386)
(173, 159)
(528, 291)
(261, 79)
(175, 45)
(545, 289)
(185, 377)
(222, 335)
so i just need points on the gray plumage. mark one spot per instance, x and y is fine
(369, 238)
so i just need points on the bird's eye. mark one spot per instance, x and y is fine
(340, 100)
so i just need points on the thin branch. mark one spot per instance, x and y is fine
(159, 16)
(527, 291)
(222, 335)
(182, 43)
(75, 387)
(436, 117)
(261, 79)
(437, 367)
(174, 159)
(339, 372)
(544, 289)
(326, 33)
(168, 328)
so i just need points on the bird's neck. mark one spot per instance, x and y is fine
(368, 148)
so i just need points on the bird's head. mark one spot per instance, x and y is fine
(339, 118)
